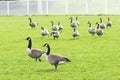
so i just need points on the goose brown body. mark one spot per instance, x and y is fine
(44, 32)
(109, 23)
(101, 24)
(55, 34)
(99, 31)
(91, 30)
(33, 53)
(75, 33)
(54, 27)
(73, 24)
(54, 59)
(32, 24)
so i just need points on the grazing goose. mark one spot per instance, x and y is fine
(44, 32)
(91, 30)
(54, 27)
(78, 23)
(99, 31)
(33, 53)
(55, 34)
(54, 59)
(73, 24)
(109, 23)
(102, 25)
(75, 33)
(32, 24)
(60, 27)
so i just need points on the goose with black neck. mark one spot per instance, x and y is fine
(33, 53)
(54, 59)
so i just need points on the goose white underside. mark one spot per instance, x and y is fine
(61, 62)
(28, 50)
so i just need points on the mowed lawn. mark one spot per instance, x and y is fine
(92, 57)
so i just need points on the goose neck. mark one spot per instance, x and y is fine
(48, 51)
(29, 44)
(97, 26)
(108, 19)
(89, 25)
(101, 21)
(30, 20)
(71, 20)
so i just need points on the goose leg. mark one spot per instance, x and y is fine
(55, 67)
(74, 37)
(36, 60)
(40, 60)
(48, 35)
(54, 38)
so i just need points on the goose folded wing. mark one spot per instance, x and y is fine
(37, 52)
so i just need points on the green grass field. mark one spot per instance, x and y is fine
(92, 57)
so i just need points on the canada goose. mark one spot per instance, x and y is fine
(109, 23)
(44, 32)
(102, 25)
(54, 27)
(32, 24)
(55, 34)
(60, 27)
(54, 59)
(73, 24)
(75, 33)
(91, 30)
(99, 31)
(78, 23)
(33, 53)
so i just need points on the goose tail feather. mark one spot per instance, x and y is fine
(67, 60)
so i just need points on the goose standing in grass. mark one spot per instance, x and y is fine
(55, 34)
(99, 31)
(54, 59)
(44, 32)
(60, 27)
(33, 53)
(77, 22)
(73, 24)
(101, 24)
(75, 33)
(54, 27)
(32, 24)
(91, 30)
(109, 23)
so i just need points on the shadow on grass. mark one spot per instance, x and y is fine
(72, 39)
(48, 70)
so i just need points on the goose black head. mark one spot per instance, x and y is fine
(100, 18)
(28, 38)
(76, 17)
(51, 21)
(29, 18)
(97, 23)
(70, 18)
(89, 22)
(46, 45)
(42, 28)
